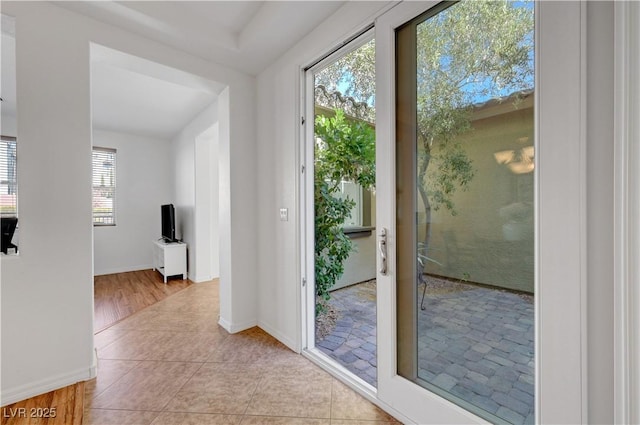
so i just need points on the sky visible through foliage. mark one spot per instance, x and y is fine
(354, 74)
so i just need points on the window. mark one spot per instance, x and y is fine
(8, 177)
(104, 187)
(8, 110)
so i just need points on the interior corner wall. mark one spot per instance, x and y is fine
(144, 181)
(279, 272)
(185, 196)
(239, 209)
(195, 198)
(47, 291)
(207, 205)
(224, 217)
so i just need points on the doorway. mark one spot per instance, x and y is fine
(341, 142)
(161, 128)
(451, 257)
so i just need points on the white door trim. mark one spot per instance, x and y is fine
(561, 350)
(627, 211)
(307, 134)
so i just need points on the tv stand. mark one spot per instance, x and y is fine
(170, 258)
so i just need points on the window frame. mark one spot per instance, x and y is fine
(14, 140)
(113, 186)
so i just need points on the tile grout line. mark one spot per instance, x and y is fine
(157, 413)
(182, 386)
(114, 382)
(333, 381)
(265, 372)
(253, 393)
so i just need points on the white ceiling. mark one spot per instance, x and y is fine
(136, 96)
(129, 102)
(244, 35)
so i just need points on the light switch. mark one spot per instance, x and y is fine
(284, 214)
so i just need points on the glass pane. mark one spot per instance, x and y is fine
(472, 208)
(104, 186)
(344, 205)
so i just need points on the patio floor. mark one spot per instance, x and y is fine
(474, 342)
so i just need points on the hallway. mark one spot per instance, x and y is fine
(171, 363)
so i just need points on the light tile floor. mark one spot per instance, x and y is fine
(172, 364)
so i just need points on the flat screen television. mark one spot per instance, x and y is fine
(168, 223)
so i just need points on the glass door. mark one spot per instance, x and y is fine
(466, 93)
(464, 214)
(341, 298)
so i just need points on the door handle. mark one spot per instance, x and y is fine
(382, 249)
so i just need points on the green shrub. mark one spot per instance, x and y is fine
(345, 152)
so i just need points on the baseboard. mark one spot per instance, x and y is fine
(233, 328)
(122, 269)
(198, 279)
(225, 324)
(43, 386)
(239, 327)
(291, 344)
(93, 370)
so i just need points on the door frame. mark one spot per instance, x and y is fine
(626, 211)
(561, 390)
(354, 42)
(360, 36)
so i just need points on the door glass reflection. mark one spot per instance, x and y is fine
(472, 166)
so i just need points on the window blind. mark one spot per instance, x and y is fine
(104, 186)
(8, 177)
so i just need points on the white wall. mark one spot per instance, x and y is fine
(197, 199)
(8, 75)
(185, 190)
(207, 204)
(8, 125)
(360, 265)
(144, 181)
(47, 291)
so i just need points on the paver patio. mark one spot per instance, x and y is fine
(474, 342)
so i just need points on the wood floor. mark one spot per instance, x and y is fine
(60, 407)
(119, 295)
